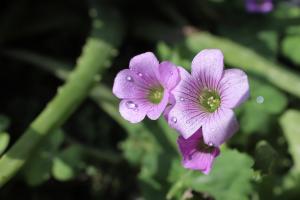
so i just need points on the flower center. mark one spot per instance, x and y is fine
(156, 94)
(210, 100)
(202, 147)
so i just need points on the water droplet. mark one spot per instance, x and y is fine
(210, 144)
(260, 99)
(181, 99)
(131, 105)
(129, 78)
(140, 74)
(174, 119)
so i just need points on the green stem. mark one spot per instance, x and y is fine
(94, 59)
(93, 153)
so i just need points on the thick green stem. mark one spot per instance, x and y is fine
(96, 54)
(57, 111)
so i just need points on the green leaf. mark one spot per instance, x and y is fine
(4, 141)
(291, 48)
(174, 55)
(67, 163)
(265, 157)
(4, 123)
(290, 125)
(251, 121)
(230, 178)
(61, 170)
(272, 102)
(38, 168)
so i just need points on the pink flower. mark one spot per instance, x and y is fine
(196, 154)
(145, 87)
(259, 6)
(205, 98)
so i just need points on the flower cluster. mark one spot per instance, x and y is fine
(198, 105)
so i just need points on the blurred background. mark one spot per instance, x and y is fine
(97, 154)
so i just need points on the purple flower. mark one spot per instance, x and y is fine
(196, 154)
(259, 6)
(145, 87)
(205, 98)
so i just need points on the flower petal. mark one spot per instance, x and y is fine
(219, 127)
(146, 66)
(193, 158)
(128, 85)
(132, 110)
(186, 116)
(201, 161)
(207, 67)
(156, 110)
(186, 146)
(169, 74)
(234, 88)
(172, 102)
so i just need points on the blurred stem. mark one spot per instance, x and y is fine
(57, 111)
(108, 156)
(95, 57)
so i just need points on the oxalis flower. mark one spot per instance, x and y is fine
(205, 98)
(259, 6)
(145, 87)
(196, 154)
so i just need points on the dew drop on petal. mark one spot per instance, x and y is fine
(131, 105)
(129, 78)
(210, 144)
(174, 119)
(140, 74)
(181, 99)
(260, 99)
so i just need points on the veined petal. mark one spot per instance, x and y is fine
(156, 110)
(186, 118)
(233, 88)
(219, 126)
(187, 88)
(207, 67)
(168, 74)
(194, 157)
(133, 110)
(129, 85)
(186, 146)
(146, 66)
(201, 161)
